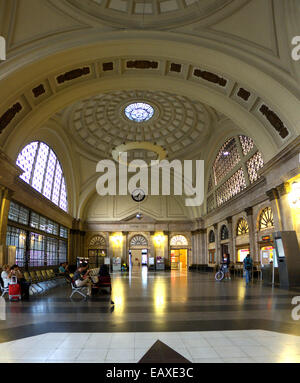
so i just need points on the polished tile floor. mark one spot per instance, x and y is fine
(201, 319)
(246, 346)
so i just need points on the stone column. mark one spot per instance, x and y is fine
(202, 246)
(217, 242)
(76, 242)
(249, 212)
(194, 248)
(126, 246)
(284, 206)
(6, 195)
(124, 253)
(231, 243)
(167, 249)
(152, 248)
(273, 196)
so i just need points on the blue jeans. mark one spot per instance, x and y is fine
(248, 274)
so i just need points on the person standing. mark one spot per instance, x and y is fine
(226, 265)
(248, 267)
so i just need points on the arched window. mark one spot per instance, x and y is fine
(266, 219)
(242, 227)
(211, 237)
(43, 171)
(138, 240)
(227, 177)
(224, 234)
(97, 242)
(178, 240)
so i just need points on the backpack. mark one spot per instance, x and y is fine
(247, 263)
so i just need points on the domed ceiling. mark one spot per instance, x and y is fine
(148, 13)
(178, 125)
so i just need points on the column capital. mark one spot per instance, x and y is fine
(215, 225)
(272, 194)
(229, 219)
(166, 232)
(199, 231)
(249, 211)
(283, 189)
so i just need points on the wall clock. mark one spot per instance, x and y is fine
(138, 195)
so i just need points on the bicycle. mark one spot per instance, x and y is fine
(220, 274)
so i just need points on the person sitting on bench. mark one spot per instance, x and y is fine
(63, 270)
(81, 278)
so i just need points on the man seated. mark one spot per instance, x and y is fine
(81, 278)
(63, 270)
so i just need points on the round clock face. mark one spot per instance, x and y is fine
(138, 195)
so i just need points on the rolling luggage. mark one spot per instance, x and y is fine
(14, 290)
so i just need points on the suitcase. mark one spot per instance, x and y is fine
(14, 290)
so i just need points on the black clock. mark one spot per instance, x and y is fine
(138, 195)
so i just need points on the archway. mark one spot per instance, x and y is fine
(138, 251)
(179, 252)
(97, 251)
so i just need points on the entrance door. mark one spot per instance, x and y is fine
(96, 258)
(178, 259)
(224, 249)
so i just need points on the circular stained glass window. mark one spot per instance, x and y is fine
(139, 112)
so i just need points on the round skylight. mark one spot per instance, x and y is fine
(139, 112)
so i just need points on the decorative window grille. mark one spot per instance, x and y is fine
(97, 242)
(178, 240)
(247, 144)
(255, 163)
(266, 219)
(43, 171)
(231, 187)
(242, 227)
(227, 158)
(210, 203)
(138, 240)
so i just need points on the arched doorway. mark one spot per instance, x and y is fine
(138, 251)
(179, 252)
(97, 251)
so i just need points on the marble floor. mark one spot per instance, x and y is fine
(246, 346)
(202, 320)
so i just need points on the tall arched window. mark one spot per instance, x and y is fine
(242, 227)
(224, 234)
(266, 219)
(43, 171)
(211, 237)
(236, 166)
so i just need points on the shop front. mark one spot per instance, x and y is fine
(179, 252)
(266, 250)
